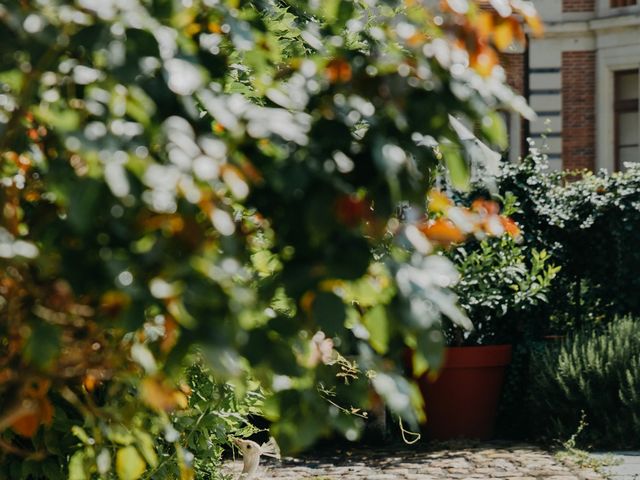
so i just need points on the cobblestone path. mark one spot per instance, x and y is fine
(483, 462)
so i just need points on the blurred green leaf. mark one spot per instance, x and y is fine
(77, 467)
(494, 128)
(129, 464)
(43, 345)
(377, 323)
(145, 445)
(456, 165)
(329, 313)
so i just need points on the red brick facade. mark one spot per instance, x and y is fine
(514, 67)
(578, 109)
(513, 64)
(578, 5)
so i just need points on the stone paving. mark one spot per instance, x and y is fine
(477, 462)
(620, 465)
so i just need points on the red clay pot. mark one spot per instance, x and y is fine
(463, 401)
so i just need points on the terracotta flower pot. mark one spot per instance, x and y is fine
(463, 401)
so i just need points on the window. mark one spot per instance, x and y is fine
(622, 3)
(627, 124)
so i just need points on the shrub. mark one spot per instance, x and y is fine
(501, 282)
(589, 227)
(173, 173)
(130, 437)
(595, 372)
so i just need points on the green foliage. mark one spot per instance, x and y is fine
(588, 225)
(595, 372)
(501, 281)
(222, 174)
(134, 442)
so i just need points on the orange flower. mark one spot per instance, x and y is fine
(510, 226)
(338, 71)
(442, 231)
(485, 207)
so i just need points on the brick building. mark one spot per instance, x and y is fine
(582, 79)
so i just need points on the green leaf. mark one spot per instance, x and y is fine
(456, 165)
(120, 435)
(378, 325)
(329, 313)
(329, 9)
(63, 121)
(129, 464)
(139, 106)
(494, 129)
(84, 196)
(12, 78)
(78, 467)
(147, 447)
(430, 346)
(43, 345)
(81, 434)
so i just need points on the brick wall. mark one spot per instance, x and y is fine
(578, 5)
(513, 64)
(578, 109)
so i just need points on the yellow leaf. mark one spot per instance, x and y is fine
(160, 395)
(129, 464)
(186, 472)
(535, 24)
(484, 25)
(438, 202)
(503, 35)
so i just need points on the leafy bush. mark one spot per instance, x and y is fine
(225, 174)
(500, 283)
(130, 438)
(589, 227)
(595, 372)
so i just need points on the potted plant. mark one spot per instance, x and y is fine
(500, 280)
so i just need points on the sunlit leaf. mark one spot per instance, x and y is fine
(494, 128)
(146, 446)
(161, 396)
(377, 323)
(129, 464)
(77, 467)
(438, 202)
(456, 165)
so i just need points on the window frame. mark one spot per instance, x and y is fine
(605, 8)
(623, 106)
(625, 3)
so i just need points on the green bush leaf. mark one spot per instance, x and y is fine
(77, 467)
(378, 325)
(146, 447)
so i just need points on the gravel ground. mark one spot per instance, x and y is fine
(520, 462)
